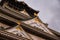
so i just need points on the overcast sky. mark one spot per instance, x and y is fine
(49, 11)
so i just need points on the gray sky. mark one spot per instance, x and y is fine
(49, 11)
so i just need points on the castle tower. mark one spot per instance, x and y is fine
(14, 13)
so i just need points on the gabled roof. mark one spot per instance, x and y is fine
(32, 30)
(12, 14)
(20, 6)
